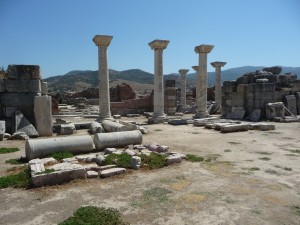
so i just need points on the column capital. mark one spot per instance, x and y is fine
(203, 48)
(102, 40)
(196, 68)
(183, 71)
(218, 64)
(158, 44)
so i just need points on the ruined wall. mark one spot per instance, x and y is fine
(18, 88)
(252, 91)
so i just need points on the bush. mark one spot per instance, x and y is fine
(8, 150)
(19, 180)
(20, 160)
(122, 160)
(153, 161)
(61, 155)
(194, 158)
(91, 215)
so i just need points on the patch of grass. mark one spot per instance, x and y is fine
(158, 130)
(94, 215)
(265, 158)
(61, 155)
(295, 151)
(122, 160)
(152, 196)
(256, 211)
(234, 143)
(295, 210)
(194, 158)
(249, 160)
(153, 161)
(211, 157)
(18, 180)
(264, 153)
(270, 171)
(227, 150)
(195, 132)
(288, 168)
(292, 155)
(21, 160)
(8, 150)
(47, 171)
(254, 169)
(229, 200)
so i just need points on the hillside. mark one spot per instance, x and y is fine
(78, 80)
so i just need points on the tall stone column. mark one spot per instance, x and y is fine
(217, 66)
(202, 50)
(158, 46)
(103, 41)
(183, 73)
(196, 68)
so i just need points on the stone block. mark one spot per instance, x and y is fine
(112, 172)
(178, 122)
(43, 115)
(129, 152)
(33, 86)
(2, 136)
(67, 129)
(290, 103)
(275, 109)
(234, 128)
(106, 167)
(171, 159)
(18, 99)
(2, 85)
(229, 87)
(37, 168)
(96, 127)
(109, 151)
(238, 100)
(19, 136)
(135, 162)
(261, 126)
(2, 126)
(255, 115)
(297, 95)
(23, 72)
(237, 115)
(44, 88)
(92, 174)
(23, 125)
(264, 95)
(264, 87)
(261, 103)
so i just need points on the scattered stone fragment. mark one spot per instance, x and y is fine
(85, 157)
(173, 159)
(183, 156)
(109, 150)
(117, 116)
(67, 129)
(23, 125)
(19, 136)
(275, 109)
(37, 168)
(144, 130)
(106, 167)
(261, 126)
(145, 152)
(92, 174)
(234, 128)
(112, 172)
(202, 122)
(96, 127)
(7, 135)
(136, 162)
(129, 152)
(178, 122)
(70, 160)
(155, 147)
(99, 159)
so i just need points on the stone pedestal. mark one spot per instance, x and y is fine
(201, 100)
(217, 66)
(43, 115)
(170, 97)
(158, 46)
(183, 73)
(103, 41)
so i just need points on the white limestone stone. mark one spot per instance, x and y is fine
(43, 115)
(218, 83)
(92, 174)
(112, 172)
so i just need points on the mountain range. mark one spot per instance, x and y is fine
(78, 80)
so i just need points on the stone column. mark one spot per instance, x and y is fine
(196, 68)
(170, 97)
(217, 66)
(183, 73)
(202, 50)
(158, 46)
(103, 41)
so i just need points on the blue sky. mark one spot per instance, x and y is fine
(57, 34)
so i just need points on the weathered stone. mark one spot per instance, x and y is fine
(43, 115)
(155, 147)
(173, 159)
(109, 150)
(234, 128)
(117, 116)
(273, 69)
(2, 85)
(100, 159)
(6, 135)
(2, 126)
(23, 72)
(110, 126)
(112, 172)
(44, 88)
(262, 80)
(275, 109)
(129, 152)
(261, 126)
(202, 122)
(106, 167)
(70, 160)
(86, 157)
(236, 115)
(255, 115)
(144, 130)
(290, 103)
(19, 100)
(92, 174)
(23, 125)
(96, 127)
(33, 86)
(297, 95)
(178, 122)
(135, 162)
(67, 129)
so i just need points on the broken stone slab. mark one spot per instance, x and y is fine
(39, 148)
(136, 162)
(70, 160)
(145, 152)
(7, 135)
(297, 95)
(109, 150)
(92, 174)
(117, 139)
(37, 168)
(110, 126)
(144, 130)
(129, 152)
(234, 128)
(112, 172)
(23, 125)
(275, 109)
(178, 122)
(65, 172)
(106, 167)
(139, 147)
(67, 129)
(155, 147)
(290, 103)
(202, 122)
(96, 127)
(91, 166)
(261, 126)
(218, 126)
(2, 126)
(23, 72)
(181, 155)
(117, 116)
(287, 119)
(86, 157)
(19, 136)
(100, 159)
(173, 159)
(43, 115)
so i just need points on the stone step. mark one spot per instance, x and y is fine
(112, 172)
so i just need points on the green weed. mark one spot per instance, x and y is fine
(194, 158)
(8, 150)
(18, 180)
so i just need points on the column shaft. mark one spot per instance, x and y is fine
(158, 83)
(183, 90)
(218, 87)
(202, 86)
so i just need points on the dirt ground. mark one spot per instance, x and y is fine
(254, 179)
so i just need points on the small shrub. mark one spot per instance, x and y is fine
(227, 150)
(270, 171)
(194, 158)
(61, 155)
(295, 151)
(264, 153)
(265, 158)
(211, 157)
(122, 160)
(94, 215)
(18, 161)
(158, 130)
(296, 210)
(288, 168)
(8, 150)
(254, 168)
(18, 180)
(153, 161)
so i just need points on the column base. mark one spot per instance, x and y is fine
(158, 119)
(200, 115)
(100, 119)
